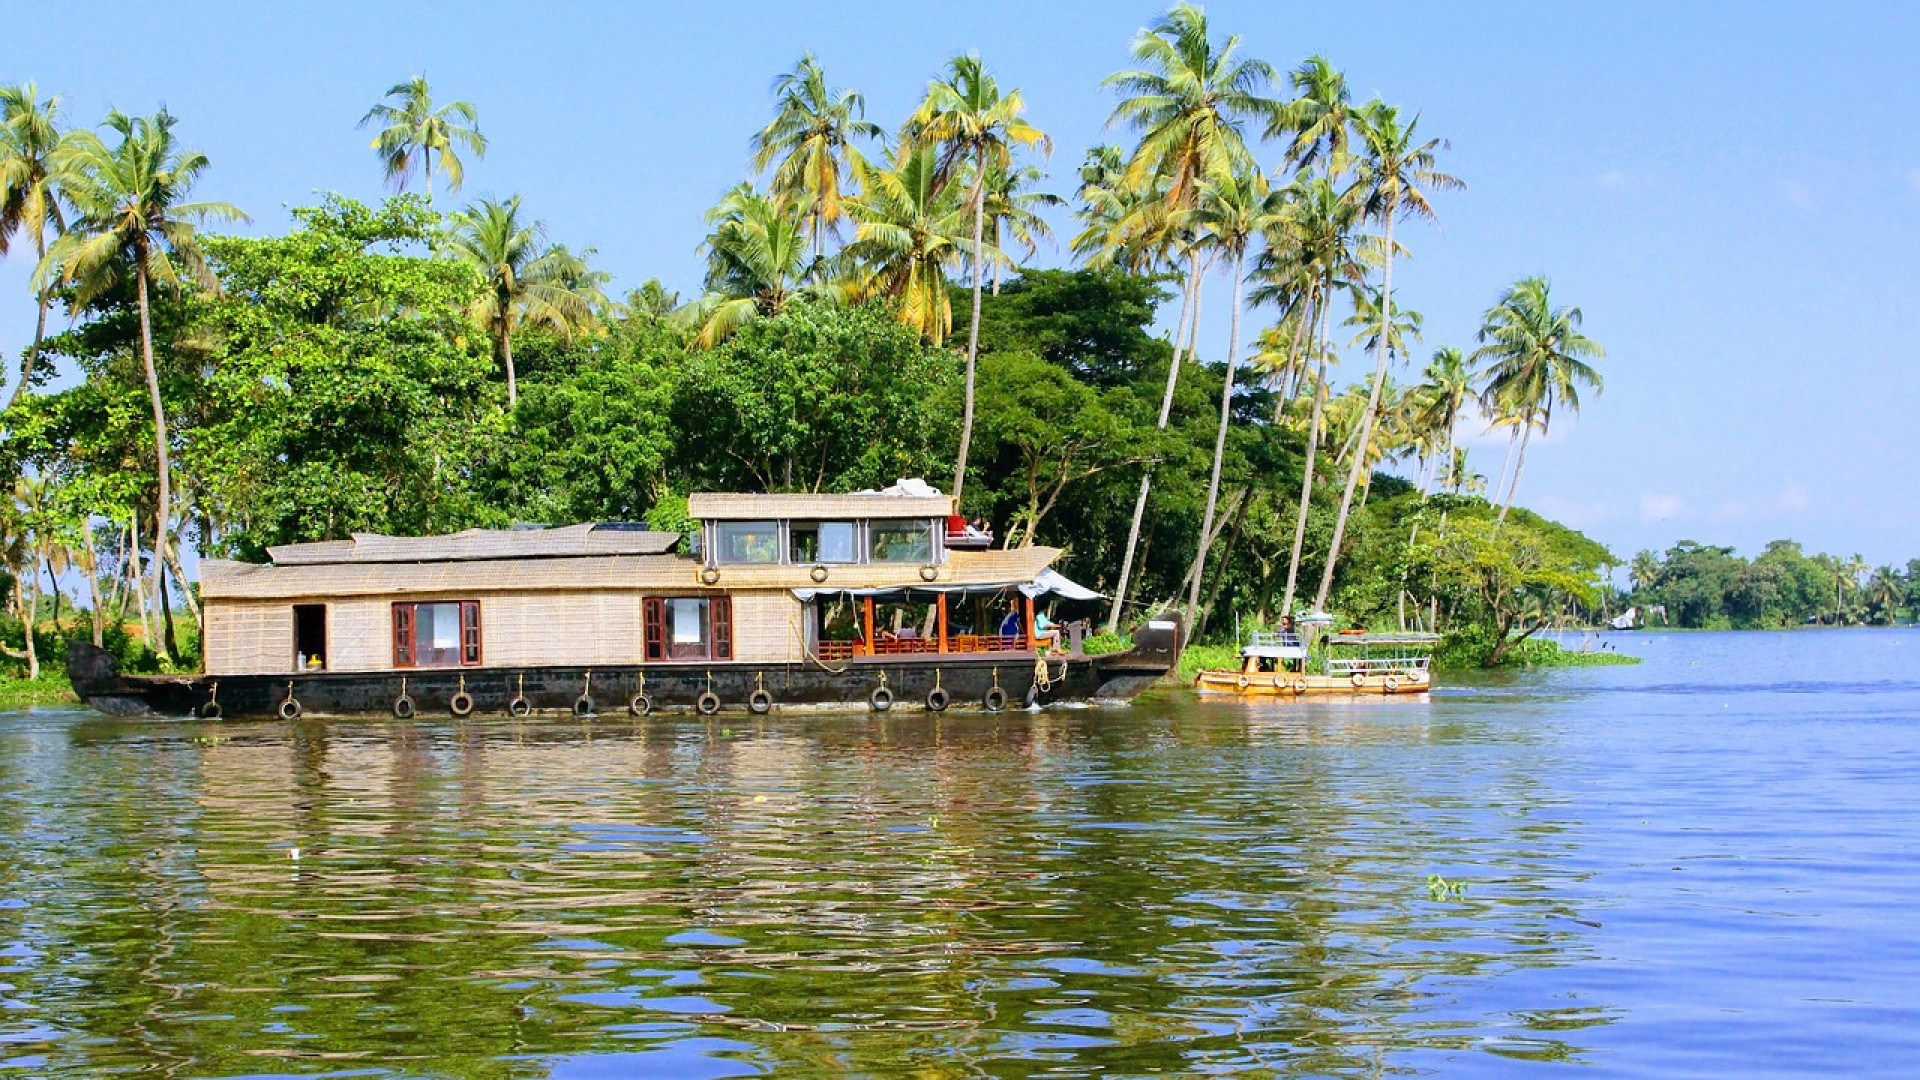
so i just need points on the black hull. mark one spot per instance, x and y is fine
(968, 682)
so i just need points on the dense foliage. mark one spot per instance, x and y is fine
(1700, 586)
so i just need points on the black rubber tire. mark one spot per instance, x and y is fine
(929, 572)
(583, 706)
(290, 709)
(710, 576)
(1033, 695)
(641, 705)
(938, 699)
(818, 574)
(708, 703)
(881, 699)
(461, 704)
(209, 711)
(403, 708)
(760, 702)
(996, 700)
(519, 707)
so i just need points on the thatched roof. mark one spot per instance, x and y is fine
(571, 541)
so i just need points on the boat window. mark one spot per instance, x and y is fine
(747, 542)
(688, 628)
(442, 634)
(900, 541)
(821, 542)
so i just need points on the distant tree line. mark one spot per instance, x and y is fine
(1701, 586)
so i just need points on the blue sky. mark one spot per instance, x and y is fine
(1727, 196)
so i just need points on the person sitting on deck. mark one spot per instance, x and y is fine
(1045, 630)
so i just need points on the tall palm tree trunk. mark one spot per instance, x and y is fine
(1219, 447)
(973, 325)
(1187, 293)
(1313, 451)
(506, 356)
(1518, 465)
(93, 581)
(32, 356)
(164, 508)
(1366, 422)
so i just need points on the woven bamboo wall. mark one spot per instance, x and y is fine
(766, 626)
(254, 637)
(248, 638)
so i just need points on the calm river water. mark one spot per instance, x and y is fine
(1708, 864)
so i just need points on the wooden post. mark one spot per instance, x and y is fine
(940, 622)
(867, 610)
(1031, 644)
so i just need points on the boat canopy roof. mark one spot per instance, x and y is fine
(911, 498)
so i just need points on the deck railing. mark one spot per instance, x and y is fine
(959, 643)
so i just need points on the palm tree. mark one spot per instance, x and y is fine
(1318, 122)
(1234, 211)
(412, 131)
(1011, 214)
(1395, 173)
(130, 213)
(1536, 359)
(31, 161)
(973, 124)
(1448, 384)
(810, 144)
(1885, 593)
(1188, 100)
(911, 229)
(757, 259)
(1321, 225)
(522, 280)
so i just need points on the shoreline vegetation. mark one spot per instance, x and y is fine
(870, 309)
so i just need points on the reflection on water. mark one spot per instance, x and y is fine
(1170, 889)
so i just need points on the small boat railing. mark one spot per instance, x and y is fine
(1274, 639)
(1361, 654)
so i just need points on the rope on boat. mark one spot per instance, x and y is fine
(800, 641)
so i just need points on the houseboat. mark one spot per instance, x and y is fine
(872, 600)
(1280, 664)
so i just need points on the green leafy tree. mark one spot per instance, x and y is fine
(757, 261)
(820, 399)
(1507, 579)
(131, 215)
(410, 131)
(342, 397)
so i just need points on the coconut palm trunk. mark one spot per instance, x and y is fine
(1187, 295)
(973, 325)
(1219, 446)
(1366, 422)
(163, 509)
(32, 356)
(1313, 451)
(92, 568)
(1519, 463)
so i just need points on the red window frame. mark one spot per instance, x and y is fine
(653, 618)
(406, 651)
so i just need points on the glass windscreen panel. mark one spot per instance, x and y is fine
(900, 541)
(822, 542)
(747, 542)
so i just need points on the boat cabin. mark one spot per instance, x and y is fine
(762, 579)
